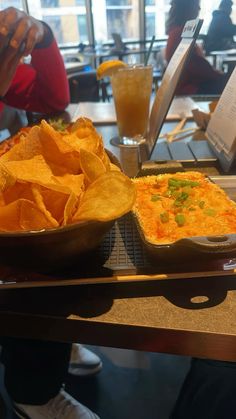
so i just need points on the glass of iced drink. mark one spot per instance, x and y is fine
(132, 87)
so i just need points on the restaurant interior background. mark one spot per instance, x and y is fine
(93, 21)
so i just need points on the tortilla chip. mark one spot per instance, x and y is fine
(27, 148)
(55, 202)
(22, 215)
(34, 170)
(41, 205)
(7, 179)
(18, 191)
(50, 178)
(91, 165)
(82, 126)
(109, 197)
(114, 167)
(70, 208)
(57, 150)
(73, 183)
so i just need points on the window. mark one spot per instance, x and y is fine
(14, 3)
(55, 24)
(122, 22)
(156, 13)
(119, 2)
(69, 20)
(121, 16)
(49, 3)
(82, 26)
(66, 18)
(150, 25)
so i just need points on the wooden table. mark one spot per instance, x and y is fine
(219, 56)
(192, 316)
(156, 316)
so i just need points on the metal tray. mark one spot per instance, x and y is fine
(120, 258)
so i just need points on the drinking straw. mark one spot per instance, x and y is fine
(149, 51)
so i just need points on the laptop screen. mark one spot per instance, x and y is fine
(166, 91)
(221, 130)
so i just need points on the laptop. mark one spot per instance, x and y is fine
(219, 142)
(119, 44)
(221, 130)
(170, 80)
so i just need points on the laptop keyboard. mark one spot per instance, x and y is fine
(188, 153)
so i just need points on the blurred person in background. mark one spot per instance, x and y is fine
(199, 77)
(35, 371)
(221, 32)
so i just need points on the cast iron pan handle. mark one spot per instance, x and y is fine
(218, 244)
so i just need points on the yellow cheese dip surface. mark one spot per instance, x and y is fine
(185, 204)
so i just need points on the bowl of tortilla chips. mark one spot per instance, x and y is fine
(59, 194)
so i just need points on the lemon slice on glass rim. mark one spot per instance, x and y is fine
(108, 68)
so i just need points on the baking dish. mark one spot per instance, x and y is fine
(209, 245)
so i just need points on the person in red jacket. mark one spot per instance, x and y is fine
(40, 86)
(35, 371)
(199, 76)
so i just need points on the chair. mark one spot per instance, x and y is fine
(105, 87)
(159, 68)
(202, 42)
(119, 44)
(157, 77)
(84, 86)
